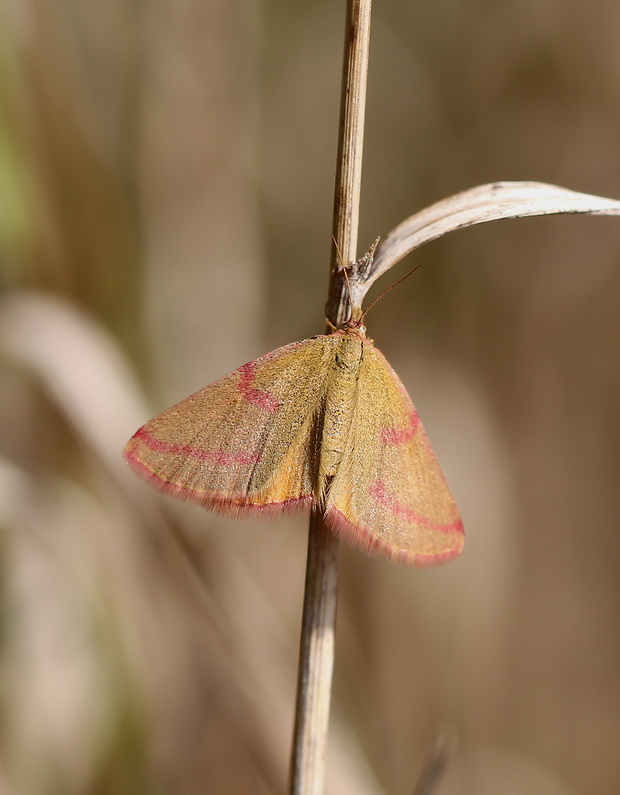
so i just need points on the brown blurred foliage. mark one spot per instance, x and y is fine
(165, 195)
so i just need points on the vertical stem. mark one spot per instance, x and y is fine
(349, 164)
(316, 654)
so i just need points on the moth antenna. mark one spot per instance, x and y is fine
(337, 247)
(391, 287)
(346, 276)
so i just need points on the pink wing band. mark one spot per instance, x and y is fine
(387, 500)
(397, 436)
(214, 500)
(257, 397)
(219, 457)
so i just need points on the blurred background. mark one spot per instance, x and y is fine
(166, 176)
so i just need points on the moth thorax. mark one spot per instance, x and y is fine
(340, 400)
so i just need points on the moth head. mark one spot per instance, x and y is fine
(355, 323)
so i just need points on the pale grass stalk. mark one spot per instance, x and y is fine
(316, 654)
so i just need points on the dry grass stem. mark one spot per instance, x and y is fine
(315, 659)
(349, 163)
(319, 616)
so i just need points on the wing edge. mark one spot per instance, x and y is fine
(215, 501)
(368, 542)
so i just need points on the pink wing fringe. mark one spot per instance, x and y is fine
(369, 543)
(215, 502)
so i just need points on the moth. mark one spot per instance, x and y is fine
(323, 423)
